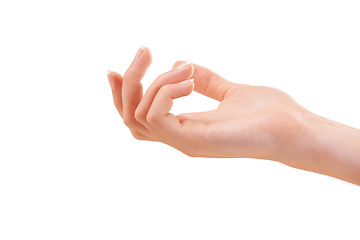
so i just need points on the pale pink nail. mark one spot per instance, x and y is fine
(183, 64)
(139, 52)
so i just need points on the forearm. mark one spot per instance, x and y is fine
(329, 148)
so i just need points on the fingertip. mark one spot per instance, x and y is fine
(143, 55)
(187, 87)
(192, 84)
(192, 69)
(116, 76)
(147, 54)
(184, 68)
(110, 80)
(115, 79)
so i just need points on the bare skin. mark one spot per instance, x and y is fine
(250, 122)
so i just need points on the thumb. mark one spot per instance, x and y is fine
(207, 82)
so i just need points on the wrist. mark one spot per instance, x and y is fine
(326, 147)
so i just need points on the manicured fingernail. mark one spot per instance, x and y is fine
(139, 52)
(183, 64)
(192, 80)
(109, 79)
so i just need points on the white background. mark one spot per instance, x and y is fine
(70, 169)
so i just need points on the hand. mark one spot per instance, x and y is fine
(251, 121)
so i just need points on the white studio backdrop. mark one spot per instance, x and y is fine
(70, 169)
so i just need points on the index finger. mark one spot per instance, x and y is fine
(132, 90)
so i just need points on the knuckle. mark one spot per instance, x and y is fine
(163, 78)
(128, 122)
(151, 118)
(139, 115)
(163, 89)
(138, 135)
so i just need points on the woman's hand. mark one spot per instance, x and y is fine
(251, 121)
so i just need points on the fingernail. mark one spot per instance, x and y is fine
(193, 85)
(109, 79)
(139, 52)
(183, 64)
